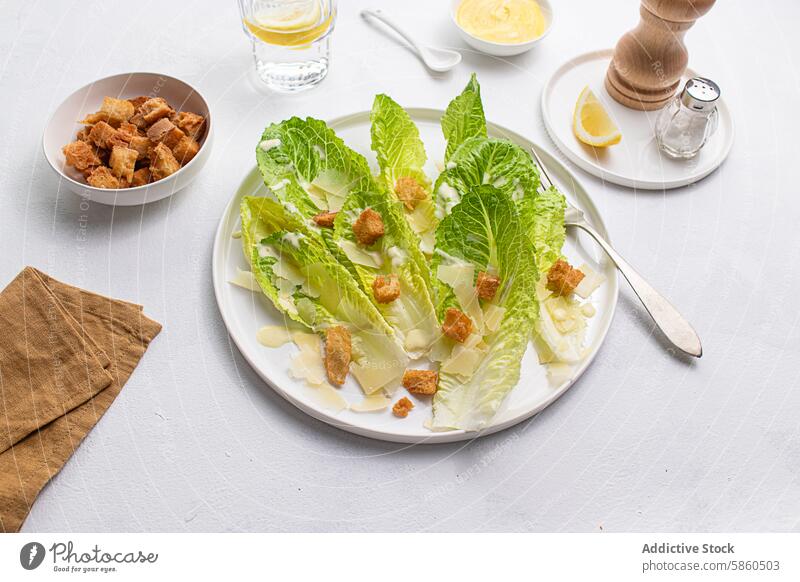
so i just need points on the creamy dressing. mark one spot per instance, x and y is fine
(268, 144)
(280, 185)
(397, 256)
(293, 238)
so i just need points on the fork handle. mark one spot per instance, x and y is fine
(669, 321)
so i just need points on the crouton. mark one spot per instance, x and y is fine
(457, 325)
(141, 177)
(142, 145)
(338, 351)
(164, 131)
(190, 123)
(83, 134)
(118, 139)
(123, 162)
(162, 162)
(154, 109)
(81, 155)
(562, 278)
(409, 191)
(487, 285)
(103, 178)
(128, 128)
(368, 227)
(325, 219)
(386, 288)
(100, 133)
(402, 407)
(421, 382)
(112, 111)
(138, 101)
(185, 150)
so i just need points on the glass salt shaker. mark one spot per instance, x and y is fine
(686, 122)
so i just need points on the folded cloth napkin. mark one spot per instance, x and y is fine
(65, 354)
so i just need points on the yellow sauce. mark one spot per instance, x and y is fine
(502, 21)
(291, 25)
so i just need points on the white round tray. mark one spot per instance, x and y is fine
(636, 161)
(244, 312)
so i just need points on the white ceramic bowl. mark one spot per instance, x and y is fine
(501, 49)
(63, 126)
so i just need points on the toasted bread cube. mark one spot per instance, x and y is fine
(368, 227)
(190, 123)
(402, 407)
(562, 278)
(141, 177)
(154, 109)
(421, 382)
(118, 139)
(103, 178)
(165, 131)
(128, 128)
(83, 134)
(100, 133)
(162, 162)
(142, 145)
(81, 155)
(338, 351)
(185, 150)
(410, 192)
(117, 111)
(457, 326)
(138, 120)
(123, 162)
(138, 101)
(386, 288)
(325, 219)
(487, 285)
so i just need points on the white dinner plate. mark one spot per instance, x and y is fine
(245, 312)
(635, 162)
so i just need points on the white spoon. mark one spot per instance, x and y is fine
(436, 59)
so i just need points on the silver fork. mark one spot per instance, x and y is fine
(676, 329)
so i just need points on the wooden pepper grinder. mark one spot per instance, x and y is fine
(649, 60)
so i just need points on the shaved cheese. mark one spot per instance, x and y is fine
(468, 298)
(268, 251)
(359, 256)
(374, 403)
(416, 340)
(493, 316)
(317, 195)
(590, 282)
(427, 241)
(335, 202)
(565, 313)
(328, 397)
(463, 361)
(236, 234)
(453, 274)
(245, 280)
(418, 218)
(397, 256)
(289, 272)
(588, 310)
(371, 377)
(273, 336)
(308, 365)
(557, 374)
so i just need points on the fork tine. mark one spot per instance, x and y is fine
(546, 181)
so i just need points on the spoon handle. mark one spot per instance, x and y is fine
(378, 15)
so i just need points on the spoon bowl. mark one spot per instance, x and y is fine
(436, 59)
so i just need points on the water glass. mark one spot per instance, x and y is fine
(291, 40)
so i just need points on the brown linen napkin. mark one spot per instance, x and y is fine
(65, 354)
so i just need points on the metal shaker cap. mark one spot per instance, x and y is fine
(700, 94)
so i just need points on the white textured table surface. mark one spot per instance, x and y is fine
(644, 441)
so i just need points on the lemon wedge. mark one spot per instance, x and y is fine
(591, 123)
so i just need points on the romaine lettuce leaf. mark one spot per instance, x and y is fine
(464, 118)
(485, 231)
(412, 315)
(298, 273)
(401, 156)
(548, 231)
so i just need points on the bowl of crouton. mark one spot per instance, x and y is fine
(129, 139)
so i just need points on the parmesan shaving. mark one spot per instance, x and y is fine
(359, 256)
(374, 403)
(590, 282)
(245, 280)
(273, 336)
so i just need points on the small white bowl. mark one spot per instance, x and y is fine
(502, 49)
(63, 126)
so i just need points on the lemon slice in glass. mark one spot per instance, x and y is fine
(591, 123)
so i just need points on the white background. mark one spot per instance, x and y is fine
(645, 440)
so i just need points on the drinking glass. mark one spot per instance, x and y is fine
(291, 40)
